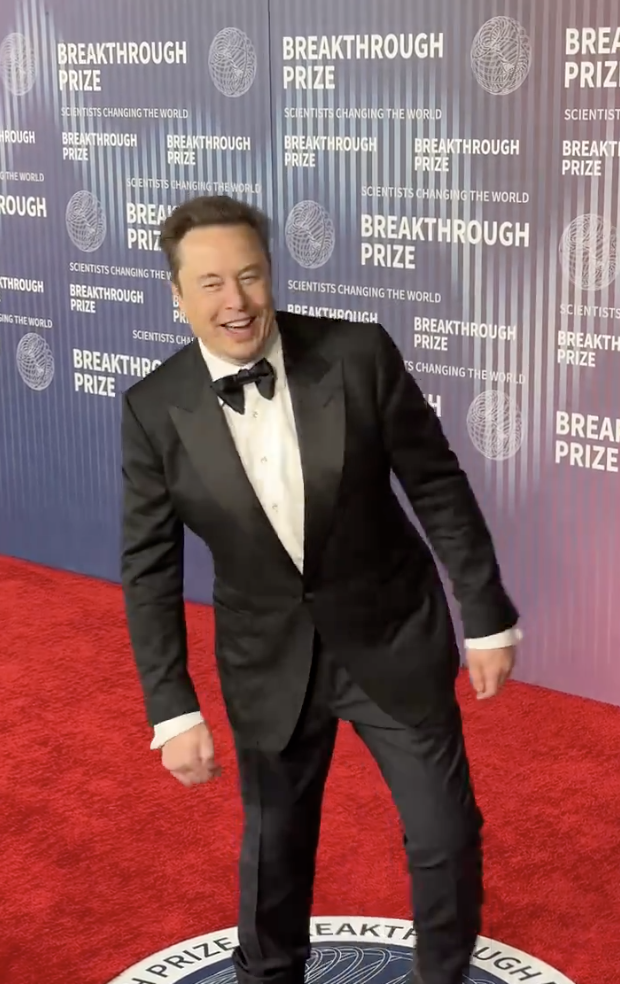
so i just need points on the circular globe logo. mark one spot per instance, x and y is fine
(35, 362)
(501, 56)
(345, 950)
(495, 425)
(310, 234)
(589, 252)
(18, 66)
(232, 62)
(86, 221)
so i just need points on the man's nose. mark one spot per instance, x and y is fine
(233, 296)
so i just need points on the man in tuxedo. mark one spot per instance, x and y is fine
(275, 437)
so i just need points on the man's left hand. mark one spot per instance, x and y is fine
(489, 669)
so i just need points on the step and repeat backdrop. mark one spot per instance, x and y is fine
(449, 169)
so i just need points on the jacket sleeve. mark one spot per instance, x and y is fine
(152, 576)
(441, 496)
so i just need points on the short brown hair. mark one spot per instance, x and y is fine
(209, 210)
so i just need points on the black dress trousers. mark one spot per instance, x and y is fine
(427, 772)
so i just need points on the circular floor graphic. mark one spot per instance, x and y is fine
(346, 950)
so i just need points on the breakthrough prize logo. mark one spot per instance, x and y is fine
(232, 62)
(345, 950)
(501, 56)
(310, 234)
(495, 425)
(18, 66)
(589, 253)
(86, 221)
(35, 362)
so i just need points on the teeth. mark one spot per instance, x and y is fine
(239, 324)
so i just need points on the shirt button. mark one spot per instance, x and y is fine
(263, 461)
(255, 414)
(275, 507)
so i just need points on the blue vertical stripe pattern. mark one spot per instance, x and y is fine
(59, 456)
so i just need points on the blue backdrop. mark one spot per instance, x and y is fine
(449, 169)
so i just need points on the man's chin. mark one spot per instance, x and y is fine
(249, 341)
(242, 349)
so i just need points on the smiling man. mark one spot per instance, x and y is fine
(274, 438)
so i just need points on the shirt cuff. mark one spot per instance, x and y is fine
(175, 726)
(501, 640)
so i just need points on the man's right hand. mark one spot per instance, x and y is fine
(190, 757)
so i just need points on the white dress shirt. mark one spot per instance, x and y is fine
(266, 440)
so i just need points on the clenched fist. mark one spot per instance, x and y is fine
(489, 669)
(190, 757)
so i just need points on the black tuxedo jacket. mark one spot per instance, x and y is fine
(370, 588)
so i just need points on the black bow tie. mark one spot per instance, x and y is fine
(230, 388)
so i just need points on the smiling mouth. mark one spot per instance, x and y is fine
(239, 325)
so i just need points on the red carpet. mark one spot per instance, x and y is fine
(105, 859)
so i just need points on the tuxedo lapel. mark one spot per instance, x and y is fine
(317, 393)
(202, 428)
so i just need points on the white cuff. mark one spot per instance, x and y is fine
(501, 640)
(175, 726)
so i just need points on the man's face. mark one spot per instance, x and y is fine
(224, 290)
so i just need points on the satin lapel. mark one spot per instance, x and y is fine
(317, 394)
(203, 430)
